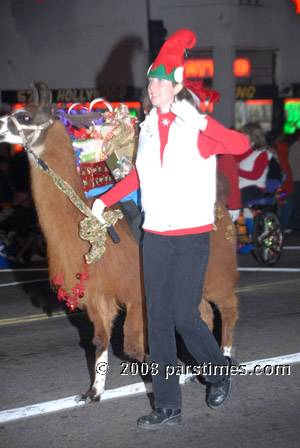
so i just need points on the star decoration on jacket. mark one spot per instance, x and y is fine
(165, 122)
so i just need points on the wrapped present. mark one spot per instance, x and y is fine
(120, 168)
(104, 131)
(89, 150)
(121, 115)
(95, 174)
(98, 136)
(123, 142)
(121, 151)
(113, 162)
(91, 145)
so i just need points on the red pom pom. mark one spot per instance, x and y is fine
(58, 279)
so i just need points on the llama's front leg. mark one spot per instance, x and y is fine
(101, 341)
(98, 386)
(101, 369)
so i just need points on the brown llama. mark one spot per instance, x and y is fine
(116, 279)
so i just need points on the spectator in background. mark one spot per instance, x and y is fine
(281, 146)
(6, 187)
(21, 230)
(253, 165)
(20, 172)
(294, 161)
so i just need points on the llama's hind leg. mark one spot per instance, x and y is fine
(229, 316)
(207, 313)
(134, 332)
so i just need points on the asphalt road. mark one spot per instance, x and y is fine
(46, 358)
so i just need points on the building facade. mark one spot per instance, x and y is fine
(246, 49)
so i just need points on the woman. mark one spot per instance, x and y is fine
(253, 165)
(176, 171)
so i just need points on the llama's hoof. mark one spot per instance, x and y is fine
(191, 379)
(88, 398)
(227, 351)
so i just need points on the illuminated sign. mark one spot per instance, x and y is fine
(112, 93)
(297, 3)
(256, 92)
(292, 113)
(241, 67)
(204, 68)
(259, 102)
(199, 68)
(132, 105)
(245, 92)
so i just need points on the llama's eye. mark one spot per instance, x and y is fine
(24, 119)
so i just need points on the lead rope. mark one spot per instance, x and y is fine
(90, 228)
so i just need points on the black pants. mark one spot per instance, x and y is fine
(251, 193)
(174, 271)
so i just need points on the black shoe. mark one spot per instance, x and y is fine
(219, 392)
(160, 417)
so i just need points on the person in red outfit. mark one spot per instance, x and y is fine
(253, 164)
(281, 146)
(176, 172)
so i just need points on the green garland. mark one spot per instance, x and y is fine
(90, 228)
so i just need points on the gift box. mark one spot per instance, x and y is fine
(96, 137)
(113, 162)
(95, 174)
(104, 131)
(121, 152)
(121, 115)
(120, 167)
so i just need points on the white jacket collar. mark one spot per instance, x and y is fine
(151, 121)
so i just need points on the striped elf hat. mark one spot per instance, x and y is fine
(169, 62)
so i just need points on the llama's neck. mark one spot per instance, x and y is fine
(58, 216)
(57, 152)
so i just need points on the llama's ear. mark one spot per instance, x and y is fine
(35, 93)
(45, 96)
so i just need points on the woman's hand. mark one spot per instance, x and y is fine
(97, 210)
(234, 214)
(188, 113)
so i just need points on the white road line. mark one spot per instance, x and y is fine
(258, 269)
(239, 269)
(252, 269)
(124, 391)
(25, 281)
(291, 247)
(24, 270)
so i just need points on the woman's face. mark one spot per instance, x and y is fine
(162, 92)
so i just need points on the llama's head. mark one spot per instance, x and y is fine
(27, 126)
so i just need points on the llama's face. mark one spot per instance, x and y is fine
(26, 126)
(27, 119)
(8, 131)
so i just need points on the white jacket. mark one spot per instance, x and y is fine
(179, 194)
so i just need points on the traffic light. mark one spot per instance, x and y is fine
(157, 35)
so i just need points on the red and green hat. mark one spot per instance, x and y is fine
(169, 62)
